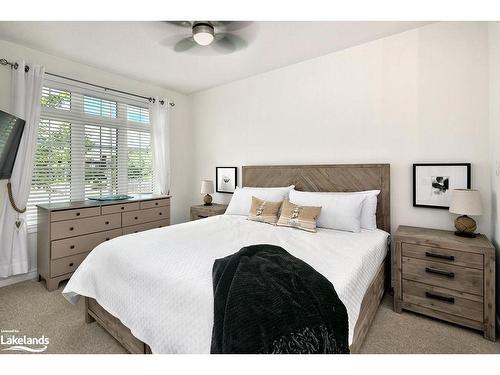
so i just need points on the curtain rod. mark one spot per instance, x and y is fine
(15, 65)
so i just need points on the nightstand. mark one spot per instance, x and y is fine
(446, 277)
(201, 211)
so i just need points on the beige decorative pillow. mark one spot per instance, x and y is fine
(301, 217)
(264, 211)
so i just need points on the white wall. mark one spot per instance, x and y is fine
(494, 120)
(181, 136)
(418, 96)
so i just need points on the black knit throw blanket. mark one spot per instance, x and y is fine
(268, 301)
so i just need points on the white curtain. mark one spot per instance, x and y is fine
(159, 117)
(26, 93)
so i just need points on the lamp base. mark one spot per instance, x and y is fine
(207, 200)
(465, 234)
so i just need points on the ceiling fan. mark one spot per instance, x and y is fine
(211, 37)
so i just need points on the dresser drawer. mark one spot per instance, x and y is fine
(463, 279)
(146, 226)
(75, 214)
(78, 227)
(115, 208)
(444, 300)
(144, 216)
(155, 203)
(81, 244)
(454, 257)
(65, 265)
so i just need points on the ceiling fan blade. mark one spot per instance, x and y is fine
(228, 43)
(181, 23)
(184, 44)
(232, 25)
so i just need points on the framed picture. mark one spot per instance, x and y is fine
(226, 178)
(433, 183)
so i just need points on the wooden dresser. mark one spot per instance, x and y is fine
(201, 211)
(445, 276)
(67, 232)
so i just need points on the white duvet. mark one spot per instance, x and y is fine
(159, 282)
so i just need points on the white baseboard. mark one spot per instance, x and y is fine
(18, 278)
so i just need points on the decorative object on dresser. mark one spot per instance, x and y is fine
(226, 179)
(446, 277)
(433, 183)
(465, 202)
(68, 231)
(202, 211)
(207, 187)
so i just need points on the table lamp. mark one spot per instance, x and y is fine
(207, 187)
(465, 202)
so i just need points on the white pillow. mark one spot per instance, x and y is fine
(338, 211)
(242, 198)
(369, 209)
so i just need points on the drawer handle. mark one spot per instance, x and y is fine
(451, 275)
(71, 228)
(107, 222)
(439, 256)
(202, 217)
(71, 264)
(135, 231)
(135, 218)
(107, 239)
(439, 298)
(77, 214)
(72, 247)
(159, 213)
(122, 207)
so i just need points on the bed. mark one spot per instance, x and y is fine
(152, 290)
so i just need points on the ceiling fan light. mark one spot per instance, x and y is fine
(203, 34)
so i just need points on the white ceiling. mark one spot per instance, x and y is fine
(143, 50)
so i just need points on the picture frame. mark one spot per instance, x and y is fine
(226, 179)
(433, 183)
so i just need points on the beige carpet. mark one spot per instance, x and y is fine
(33, 311)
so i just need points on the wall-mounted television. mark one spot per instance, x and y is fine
(11, 131)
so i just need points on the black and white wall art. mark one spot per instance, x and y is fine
(226, 179)
(433, 183)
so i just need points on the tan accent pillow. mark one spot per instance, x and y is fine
(301, 217)
(264, 211)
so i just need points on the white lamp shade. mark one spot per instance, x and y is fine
(466, 202)
(207, 187)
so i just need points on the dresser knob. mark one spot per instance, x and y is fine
(136, 218)
(71, 228)
(156, 203)
(107, 239)
(122, 208)
(72, 247)
(71, 264)
(77, 214)
(107, 222)
(159, 213)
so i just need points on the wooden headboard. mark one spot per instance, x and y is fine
(336, 177)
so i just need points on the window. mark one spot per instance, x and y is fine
(88, 146)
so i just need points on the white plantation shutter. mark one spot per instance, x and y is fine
(90, 144)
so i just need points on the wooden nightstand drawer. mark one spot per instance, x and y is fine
(202, 211)
(463, 279)
(444, 300)
(75, 214)
(144, 216)
(435, 254)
